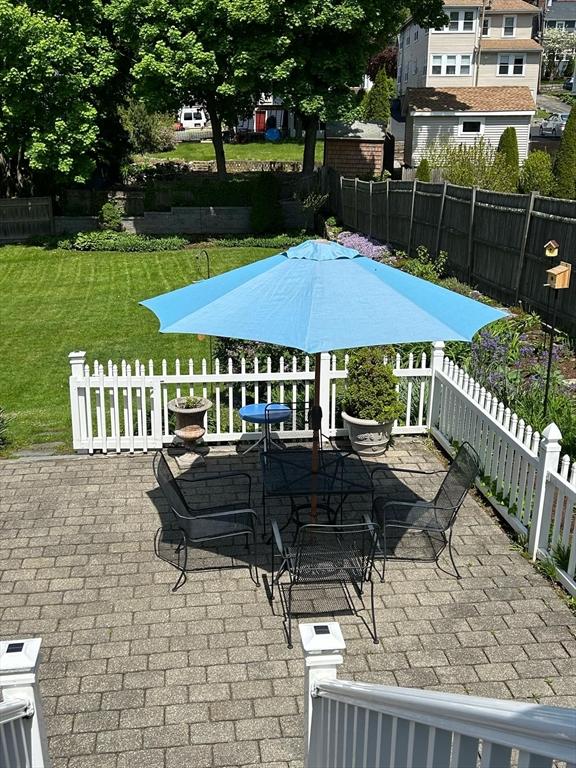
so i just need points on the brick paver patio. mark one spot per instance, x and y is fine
(134, 676)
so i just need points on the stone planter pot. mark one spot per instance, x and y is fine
(188, 416)
(368, 437)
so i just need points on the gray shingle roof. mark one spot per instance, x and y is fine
(363, 131)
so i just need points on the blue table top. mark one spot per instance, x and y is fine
(260, 413)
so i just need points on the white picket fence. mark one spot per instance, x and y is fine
(125, 408)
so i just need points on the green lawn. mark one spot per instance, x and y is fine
(288, 150)
(55, 301)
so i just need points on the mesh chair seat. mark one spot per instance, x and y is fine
(218, 524)
(422, 515)
(325, 564)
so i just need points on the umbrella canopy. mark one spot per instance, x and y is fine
(320, 296)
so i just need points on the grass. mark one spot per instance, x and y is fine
(289, 150)
(55, 301)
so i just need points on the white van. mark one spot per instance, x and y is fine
(193, 117)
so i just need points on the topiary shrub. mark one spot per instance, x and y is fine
(375, 106)
(266, 212)
(536, 174)
(371, 387)
(423, 172)
(508, 148)
(111, 217)
(565, 162)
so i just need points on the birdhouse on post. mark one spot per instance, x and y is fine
(559, 277)
(551, 249)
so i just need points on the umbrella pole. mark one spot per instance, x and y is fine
(315, 441)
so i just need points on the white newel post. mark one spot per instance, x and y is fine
(548, 459)
(77, 397)
(321, 643)
(325, 383)
(436, 362)
(19, 661)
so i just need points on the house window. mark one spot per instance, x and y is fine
(509, 28)
(471, 126)
(415, 35)
(560, 25)
(486, 26)
(460, 21)
(570, 26)
(451, 64)
(511, 65)
(407, 38)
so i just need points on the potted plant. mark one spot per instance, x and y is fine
(370, 403)
(189, 410)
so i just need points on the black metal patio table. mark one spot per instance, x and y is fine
(289, 474)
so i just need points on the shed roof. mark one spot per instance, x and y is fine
(563, 10)
(479, 99)
(507, 44)
(356, 130)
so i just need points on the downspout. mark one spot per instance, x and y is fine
(478, 49)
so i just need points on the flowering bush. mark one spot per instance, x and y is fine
(365, 245)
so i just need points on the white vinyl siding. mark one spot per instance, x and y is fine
(522, 25)
(426, 129)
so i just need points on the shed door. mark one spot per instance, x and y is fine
(260, 121)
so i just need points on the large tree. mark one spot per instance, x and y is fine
(49, 73)
(330, 43)
(221, 53)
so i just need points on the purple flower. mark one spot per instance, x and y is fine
(367, 246)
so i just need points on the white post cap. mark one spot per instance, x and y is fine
(321, 637)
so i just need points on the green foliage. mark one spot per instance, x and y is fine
(50, 73)
(375, 107)
(110, 217)
(561, 555)
(569, 71)
(125, 242)
(424, 264)
(565, 162)
(266, 213)
(508, 148)
(476, 165)
(3, 428)
(272, 241)
(536, 173)
(147, 131)
(190, 402)
(236, 349)
(423, 172)
(371, 387)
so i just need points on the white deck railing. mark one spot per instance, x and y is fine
(22, 735)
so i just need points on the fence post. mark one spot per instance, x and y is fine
(324, 395)
(470, 254)
(388, 211)
(522, 255)
(19, 680)
(77, 362)
(340, 211)
(321, 643)
(548, 459)
(414, 187)
(356, 203)
(436, 362)
(440, 217)
(370, 219)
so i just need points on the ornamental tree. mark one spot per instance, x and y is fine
(508, 148)
(48, 117)
(375, 107)
(387, 60)
(565, 161)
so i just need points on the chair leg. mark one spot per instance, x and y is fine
(252, 555)
(375, 636)
(452, 556)
(289, 611)
(182, 547)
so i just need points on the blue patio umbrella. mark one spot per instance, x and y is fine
(320, 296)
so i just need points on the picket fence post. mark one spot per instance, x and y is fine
(77, 362)
(436, 362)
(548, 459)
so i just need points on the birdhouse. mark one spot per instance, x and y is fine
(559, 277)
(551, 249)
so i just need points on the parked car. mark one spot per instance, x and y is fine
(192, 117)
(569, 84)
(554, 125)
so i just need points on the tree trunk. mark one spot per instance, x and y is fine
(216, 124)
(310, 123)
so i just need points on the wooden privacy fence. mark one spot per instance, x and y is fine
(125, 408)
(494, 241)
(25, 217)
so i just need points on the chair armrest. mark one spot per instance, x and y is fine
(399, 503)
(373, 525)
(277, 537)
(212, 515)
(387, 468)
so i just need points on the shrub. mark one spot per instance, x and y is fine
(508, 148)
(375, 107)
(147, 131)
(476, 165)
(423, 172)
(371, 387)
(565, 163)
(424, 264)
(266, 213)
(536, 173)
(110, 217)
(122, 241)
(3, 428)
(280, 242)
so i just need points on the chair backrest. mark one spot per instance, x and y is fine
(323, 551)
(457, 482)
(169, 486)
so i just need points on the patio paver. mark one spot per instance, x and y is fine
(133, 675)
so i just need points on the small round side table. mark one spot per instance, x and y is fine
(265, 414)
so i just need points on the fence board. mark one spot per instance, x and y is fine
(25, 217)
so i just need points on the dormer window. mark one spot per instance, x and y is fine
(509, 26)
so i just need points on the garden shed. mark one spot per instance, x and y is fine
(358, 149)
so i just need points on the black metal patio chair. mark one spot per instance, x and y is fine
(323, 556)
(197, 526)
(419, 529)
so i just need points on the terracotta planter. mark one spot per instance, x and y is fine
(189, 416)
(368, 437)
